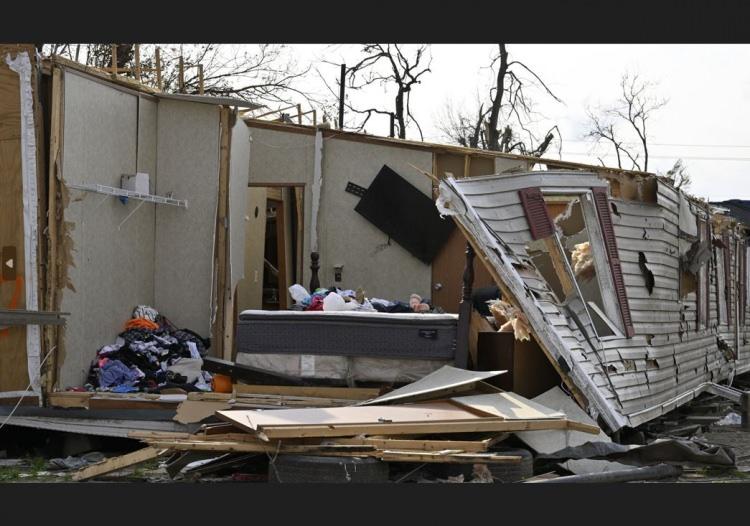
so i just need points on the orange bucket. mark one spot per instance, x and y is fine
(221, 383)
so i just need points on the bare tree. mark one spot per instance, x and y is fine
(390, 66)
(494, 123)
(263, 73)
(464, 128)
(632, 110)
(678, 175)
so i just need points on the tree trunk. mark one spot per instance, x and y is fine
(400, 114)
(493, 134)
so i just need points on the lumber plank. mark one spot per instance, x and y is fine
(469, 446)
(117, 463)
(260, 447)
(69, 399)
(448, 457)
(105, 402)
(481, 425)
(353, 393)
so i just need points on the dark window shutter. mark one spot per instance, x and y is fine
(742, 278)
(708, 272)
(727, 276)
(699, 314)
(535, 209)
(610, 242)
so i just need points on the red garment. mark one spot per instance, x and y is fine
(316, 303)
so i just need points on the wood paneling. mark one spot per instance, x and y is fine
(13, 362)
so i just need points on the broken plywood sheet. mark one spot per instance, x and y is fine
(551, 441)
(117, 463)
(508, 406)
(192, 411)
(444, 381)
(429, 413)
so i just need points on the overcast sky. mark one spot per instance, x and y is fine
(704, 121)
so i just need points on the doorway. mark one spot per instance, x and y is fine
(274, 232)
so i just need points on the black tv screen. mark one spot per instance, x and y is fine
(407, 215)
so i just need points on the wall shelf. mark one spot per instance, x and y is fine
(119, 192)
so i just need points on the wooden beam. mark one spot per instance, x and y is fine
(561, 269)
(114, 60)
(157, 59)
(118, 463)
(200, 79)
(281, 252)
(222, 261)
(138, 62)
(50, 300)
(300, 233)
(449, 456)
(353, 393)
(467, 165)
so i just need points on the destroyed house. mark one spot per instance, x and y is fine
(636, 292)
(633, 293)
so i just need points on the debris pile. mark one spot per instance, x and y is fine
(449, 426)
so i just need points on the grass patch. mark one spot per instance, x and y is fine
(9, 474)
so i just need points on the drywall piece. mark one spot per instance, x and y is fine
(444, 381)
(239, 172)
(547, 442)
(356, 243)
(21, 64)
(112, 268)
(509, 406)
(188, 166)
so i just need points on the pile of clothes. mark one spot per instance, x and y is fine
(151, 354)
(336, 299)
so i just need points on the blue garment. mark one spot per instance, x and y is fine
(114, 373)
(124, 388)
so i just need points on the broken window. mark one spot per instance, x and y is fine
(567, 214)
(570, 268)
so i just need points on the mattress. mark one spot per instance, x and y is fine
(347, 369)
(354, 334)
